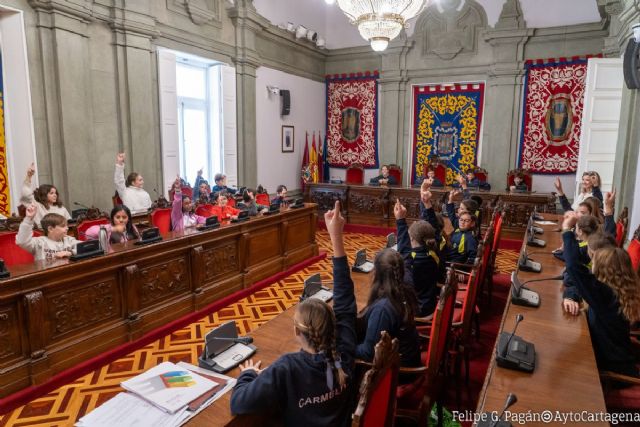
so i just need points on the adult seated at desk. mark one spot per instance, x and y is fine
(314, 386)
(610, 287)
(54, 244)
(222, 210)
(384, 178)
(221, 185)
(182, 210)
(474, 182)
(519, 185)
(131, 192)
(281, 196)
(120, 230)
(45, 198)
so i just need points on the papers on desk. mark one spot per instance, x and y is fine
(131, 409)
(546, 222)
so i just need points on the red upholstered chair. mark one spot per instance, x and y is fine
(161, 218)
(355, 174)
(439, 170)
(622, 226)
(396, 172)
(263, 199)
(621, 399)
(526, 175)
(377, 402)
(13, 254)
(205, 210)
(116, 199)
(481, 174)
(185, 189)
(82, 228)
(634, 250)
(416, 399)
(231, 201)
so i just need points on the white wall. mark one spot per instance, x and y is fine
(635, 209)
(307, 114)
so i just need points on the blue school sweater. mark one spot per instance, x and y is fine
(296, 384)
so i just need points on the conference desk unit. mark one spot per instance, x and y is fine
(373, 205)
(57, 314)
(273, 339)
(565, 379)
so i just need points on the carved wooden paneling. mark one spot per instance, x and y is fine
(219, 261)
(34, 303)
(160, 281)
(326, 199)
(10, 345)
(76, 308)
(367, 203)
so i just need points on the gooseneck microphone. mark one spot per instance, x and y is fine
(519, 318)
(81, 205)
(511, 399)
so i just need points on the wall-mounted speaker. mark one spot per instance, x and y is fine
(631, 67)
(286, 102)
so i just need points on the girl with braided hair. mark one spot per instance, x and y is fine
(610, 287)
(314, 386)
(391, 307)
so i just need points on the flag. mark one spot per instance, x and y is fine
(313, 160)
(320, 158)
(305, 171)
(325, 161)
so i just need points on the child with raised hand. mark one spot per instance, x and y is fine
(54, 244)
(120, 230)
(182, 213)
(428, 213)
(610, 287)
(45, 198)
(419, 249)
(463, 241)
(314, 386)
(131, 192)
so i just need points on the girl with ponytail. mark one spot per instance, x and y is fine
(314, 386)
(422, 263)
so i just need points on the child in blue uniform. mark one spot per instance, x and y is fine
(314, 386)
(419, 249)
(611, 290)
(463, 242)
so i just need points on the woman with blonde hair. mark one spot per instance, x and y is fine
(610, 288)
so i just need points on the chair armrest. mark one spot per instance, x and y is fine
(608, 375)
(427, 319)
(458, 265)
(361, 362)
(413, 371)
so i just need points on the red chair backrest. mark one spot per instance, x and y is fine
(82, 228)
(263, 199)
(231, 202)
(482, 176)
(634, 253)
(396, 172)
(11, 253)
(185, 189)
(498, 230)
(441, 324)
(161, 218)
(619, 233)
(116, 199)
(440, 172)
(205, 210)
(355, 175)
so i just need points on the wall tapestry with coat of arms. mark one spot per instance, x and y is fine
(447, 120)
(352, 120)
(552, 114)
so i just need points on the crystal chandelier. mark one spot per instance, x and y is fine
(380, 21)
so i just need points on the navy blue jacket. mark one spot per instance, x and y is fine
(429, 215)
(436, 182)
(278, 200)
(296, 383)
(463, 243)
(609, 328)
(475, 183)
(218, 188)
(376, 180)
(422, 270)
(382, 316)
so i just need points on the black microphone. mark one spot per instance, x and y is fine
(511, 399)
(560, 277)
(81, 205)
(157, 194)
(4, 273)
(237, 340)
(519, 318)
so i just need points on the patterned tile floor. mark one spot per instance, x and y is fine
(64, 406)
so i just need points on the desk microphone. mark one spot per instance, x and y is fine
(519, 318)
(238, 340)
(82, 206)
(157, 194)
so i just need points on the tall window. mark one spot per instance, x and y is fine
(198, 92)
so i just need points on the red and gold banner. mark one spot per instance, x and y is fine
(5, 207)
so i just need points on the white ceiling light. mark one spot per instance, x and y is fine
(380, 21)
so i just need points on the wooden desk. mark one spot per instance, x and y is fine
(373, 205)
(566, 376)
(54, 315)
(273, 339)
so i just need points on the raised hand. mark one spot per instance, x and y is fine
(558, 186)
(200, 171)
(453, 194)
(399, 211)
(570, 219)
(595, 181)
(177, 183)
(334, 221)
(31, 170)
(462, 181)
(610, 202)
(425, 197)
(31, 211)
(120, 158)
